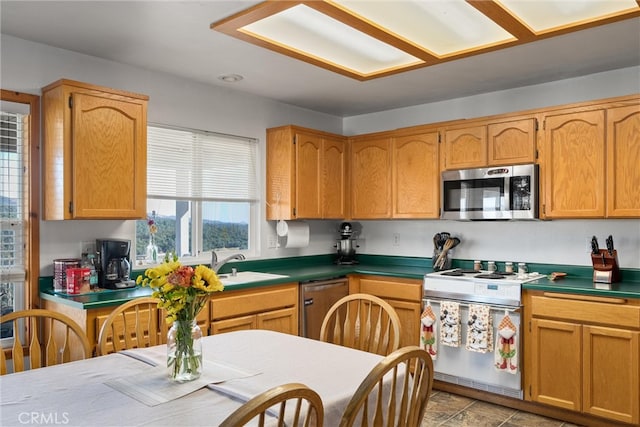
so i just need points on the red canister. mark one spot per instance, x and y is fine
(78, 280)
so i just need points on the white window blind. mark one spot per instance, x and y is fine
(185, 164)
(13, 192)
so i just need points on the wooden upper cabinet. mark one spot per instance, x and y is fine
(334, 178)
(574, 165)
(416, 176)
(94, 152)
(512, 142)
(623, 168)
(465, 148)
(371, 178)
(306, 174)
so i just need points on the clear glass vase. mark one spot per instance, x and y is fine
(184, 351)
(152, 251)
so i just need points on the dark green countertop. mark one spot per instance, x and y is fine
(585, 286)
(321, 267)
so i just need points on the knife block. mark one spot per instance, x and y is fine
(605, 267)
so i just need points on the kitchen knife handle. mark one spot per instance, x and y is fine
(610, 245)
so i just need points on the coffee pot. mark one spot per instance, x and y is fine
(114, 264)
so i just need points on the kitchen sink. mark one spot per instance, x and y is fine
(248, 277)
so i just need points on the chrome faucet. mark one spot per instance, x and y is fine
(217, 265)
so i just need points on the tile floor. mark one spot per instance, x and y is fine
(445, 409)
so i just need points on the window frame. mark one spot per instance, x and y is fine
(197, 225)
(32, 199)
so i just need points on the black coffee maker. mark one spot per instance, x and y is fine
(114, 264)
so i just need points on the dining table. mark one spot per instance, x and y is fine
(131, 387)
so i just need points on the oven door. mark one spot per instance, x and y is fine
(457, 365)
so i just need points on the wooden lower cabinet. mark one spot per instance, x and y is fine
(404, 295)
(274, 308)
(582, 353)
(92, 320)
(87, 319)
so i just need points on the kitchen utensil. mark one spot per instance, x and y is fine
(595, 248)
(610, 245)
(557, 275)
(449, 243)
(456, 242)
(436, 241)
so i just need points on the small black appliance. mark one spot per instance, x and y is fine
(114, 264)
(346, 245)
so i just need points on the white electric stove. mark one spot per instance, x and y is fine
(500, 291)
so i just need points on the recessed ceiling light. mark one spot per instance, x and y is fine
(231, 78)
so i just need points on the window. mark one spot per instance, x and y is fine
(201, 193)
(12, 215)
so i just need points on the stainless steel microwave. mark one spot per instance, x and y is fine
(502, 192)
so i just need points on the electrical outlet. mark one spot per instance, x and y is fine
(396, 239)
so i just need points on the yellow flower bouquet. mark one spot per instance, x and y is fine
(182, 292)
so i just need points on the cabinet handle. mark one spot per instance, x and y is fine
(585, 298)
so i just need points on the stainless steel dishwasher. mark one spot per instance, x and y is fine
(316, 297)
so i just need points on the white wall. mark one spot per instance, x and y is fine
(27, 66)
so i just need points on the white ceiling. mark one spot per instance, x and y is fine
(174, 37)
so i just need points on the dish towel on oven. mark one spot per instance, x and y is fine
(450, 323)
(428, 328)
(480, 329)
(506, 354)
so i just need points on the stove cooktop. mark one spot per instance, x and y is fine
(482, 275)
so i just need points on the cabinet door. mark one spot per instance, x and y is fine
(371, 178)
(285, 320)
(109, 157)
(334, 178)
(512, 142)
(409, 314)
(574, 165)
(465, 148)
(611, 369)
(623, 152)
(280, 173)
(416, 176)
(404, 295)
(556, 368)
(236, 324)
(308, 175)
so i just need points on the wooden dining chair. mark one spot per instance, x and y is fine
(394, 393)
(48, 340)
(307, 409)
(364, 322)
(134, 324)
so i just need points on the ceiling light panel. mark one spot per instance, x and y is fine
(367, 39)
(442, 27)
(312, 33)
(544, 15)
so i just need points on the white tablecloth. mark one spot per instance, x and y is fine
(75, 394)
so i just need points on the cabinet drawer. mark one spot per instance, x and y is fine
(579, 308)
(238, 303)
(404, 289)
